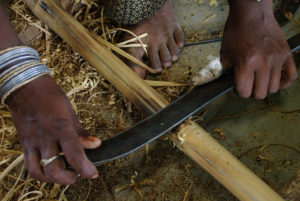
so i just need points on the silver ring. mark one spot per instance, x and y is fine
(45, 162)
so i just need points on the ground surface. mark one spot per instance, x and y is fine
(264, 135)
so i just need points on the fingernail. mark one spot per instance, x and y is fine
(92, 138)
(174, 58)
(95, 176)
(180, 45)
(167, 64)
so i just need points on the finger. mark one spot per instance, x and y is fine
(87, 141)
(173, 48)
(165, 56)
(154, 59)
(261, 83)
(289, 73)
(56, 169)
(137, 53)
(275, 79)
(244, 79)
(32, 163)
(179, 37)
(75, 155)
(90, 142)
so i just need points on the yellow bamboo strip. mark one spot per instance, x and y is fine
(154, 83)
(124, 54)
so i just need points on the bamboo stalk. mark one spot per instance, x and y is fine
(191, 139)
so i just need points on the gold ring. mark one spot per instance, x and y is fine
(45, 162)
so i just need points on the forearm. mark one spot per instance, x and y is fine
(18, 65)
(8, 36)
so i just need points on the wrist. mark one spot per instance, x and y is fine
(30, 90)
(18, 67)
(250, 7)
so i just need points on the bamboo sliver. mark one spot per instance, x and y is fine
(191, 139)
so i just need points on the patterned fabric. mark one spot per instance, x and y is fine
(129, 12)
(5, 4)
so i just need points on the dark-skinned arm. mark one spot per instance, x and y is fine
(47, 124)
(254, 44)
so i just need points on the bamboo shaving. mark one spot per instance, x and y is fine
(155, 83)
(124, 54)
(10, 167)
(133, 45)
(62, 195)
(38, 194)
(13, 189)
(132, 39)
(133, 34)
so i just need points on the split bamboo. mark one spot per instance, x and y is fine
(191, 139)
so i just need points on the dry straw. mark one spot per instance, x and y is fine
(90, 94)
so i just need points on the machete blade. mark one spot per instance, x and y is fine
(163, 121)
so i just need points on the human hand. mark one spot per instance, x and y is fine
(255, 46)
(47, 125)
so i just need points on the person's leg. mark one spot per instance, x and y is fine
(155, 17)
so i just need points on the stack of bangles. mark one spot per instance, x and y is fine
(18, 66)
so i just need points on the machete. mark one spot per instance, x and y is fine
(166, 119)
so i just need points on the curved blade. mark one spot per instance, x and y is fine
(163, 121)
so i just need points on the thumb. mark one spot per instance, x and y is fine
(87, 141)
(225, 59)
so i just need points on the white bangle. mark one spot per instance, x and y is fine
(19, 66)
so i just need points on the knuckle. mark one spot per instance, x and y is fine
(286, 50)
(37, 175)
(82, 132)
(256, 60)
(32, 171)
(51, 171)
(62, 125)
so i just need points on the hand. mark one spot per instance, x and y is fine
(47, 124)
(255, 46)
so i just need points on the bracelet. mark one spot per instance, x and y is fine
(13, 55)
(20, 66)
(16, 69)
(18, 59)
(22, 79)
